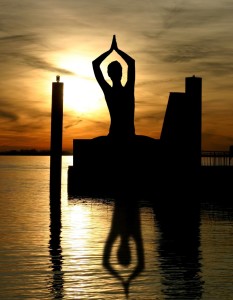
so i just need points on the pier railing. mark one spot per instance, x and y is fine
(216, 158)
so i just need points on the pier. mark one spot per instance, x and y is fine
(216, 158)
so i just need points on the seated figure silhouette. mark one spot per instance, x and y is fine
(120, 99)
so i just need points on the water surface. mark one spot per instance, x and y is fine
(60, 254)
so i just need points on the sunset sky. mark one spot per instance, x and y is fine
(169, 40)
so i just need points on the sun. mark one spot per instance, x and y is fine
(82, 95)
(81, 91)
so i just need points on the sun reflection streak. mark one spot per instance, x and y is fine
(82, 248)
(79, 229)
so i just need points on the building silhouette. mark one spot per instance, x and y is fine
(181, 129)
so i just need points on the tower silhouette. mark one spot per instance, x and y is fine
(181, 131)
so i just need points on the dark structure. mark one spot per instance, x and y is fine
(182, 123)
(56, 137)
(103, 166)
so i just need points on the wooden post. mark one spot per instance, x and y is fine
(56, 138)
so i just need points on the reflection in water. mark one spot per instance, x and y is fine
(55, 244)
(29, 258)
(125, 225)
(179, 251)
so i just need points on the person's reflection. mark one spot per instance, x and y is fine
(55, 245)
(125, 225)
(179, 250)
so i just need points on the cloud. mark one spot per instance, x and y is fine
(216, 141)
(150, 116)
(73, 123)
(21, 48)
(196, 34)
(22, 38)
(38, 63)
(8, 115)
(11, 46)
(21, 117)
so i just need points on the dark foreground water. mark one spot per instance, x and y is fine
(73, 253)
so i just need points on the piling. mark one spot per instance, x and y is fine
(56, 139)
(193, 90)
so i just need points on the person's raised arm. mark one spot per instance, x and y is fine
(128, 59)
(96, 67)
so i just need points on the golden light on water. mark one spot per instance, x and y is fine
(82, 240)
(79, 223)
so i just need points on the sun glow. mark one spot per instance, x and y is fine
(81, 91)
(82, 95)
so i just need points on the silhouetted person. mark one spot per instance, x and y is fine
(119, 98)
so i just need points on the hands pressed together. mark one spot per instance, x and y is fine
(114, 44)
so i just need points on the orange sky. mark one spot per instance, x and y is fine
(169, 41)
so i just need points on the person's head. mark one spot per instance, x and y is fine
(115, 70)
